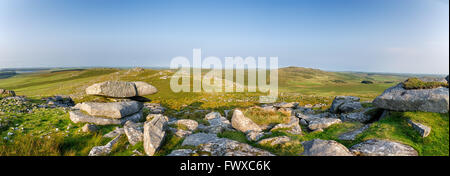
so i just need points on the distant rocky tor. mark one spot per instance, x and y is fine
(397, 98)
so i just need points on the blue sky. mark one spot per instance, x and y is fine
(408, 36)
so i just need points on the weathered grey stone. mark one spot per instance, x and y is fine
(154, 108)
(134, 132)
(115, 110)
(242, 123)
(144, 88)
(286, 105)
(321, 123)
(292, 127)
(375, 147)
(79, 117)
(345, 104)
(279, 140)
(114, 133)
(303, 122)
(117, 89)
(351, 135)
(397, 98)
(190, 124)
(154, 133)
(362, 116)
(318, 147)
(182, 152)
(210, 144)
(423, 130)
(199, 138)
(89, 128)
(212, 115)
(254, 136)
(105, 149)
(152, 116)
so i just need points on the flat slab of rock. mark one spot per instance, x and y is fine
(321, 123)
(349, 136)
(191, 125)
(79, 117)
(134, 132)
(154, 133)
(318, 147)
(121, 89)
(199, 138)
(423, 130)
(242, 123)
(397, 98)
(292, 127)
(115, 110)
(114, 133)
(375, 147)
(345, 104)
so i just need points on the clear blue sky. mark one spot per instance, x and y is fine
(343, 35)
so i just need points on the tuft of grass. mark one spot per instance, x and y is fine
(396, 128)
(264, 117)
(416, 83)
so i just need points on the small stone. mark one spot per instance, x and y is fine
(422, 129)
(89, 128)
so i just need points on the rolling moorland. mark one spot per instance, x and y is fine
(49, 131)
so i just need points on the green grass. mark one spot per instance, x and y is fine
(416, 83)
(303, 85)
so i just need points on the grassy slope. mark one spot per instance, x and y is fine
(308, 86)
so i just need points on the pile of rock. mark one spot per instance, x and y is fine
(7, 93)
(59, 101)
(113, 113)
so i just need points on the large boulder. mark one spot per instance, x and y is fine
(121, 89)
(134, 132)
(242, 123)
(397, 98)
(115, 110)
(79, 117)
(375, 147)
(345, 104)
(318, 147)
(154, 133)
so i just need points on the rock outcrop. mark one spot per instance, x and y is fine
(318, 147)
(7, 93)
(375, 147)
(397, 98)
(79, 117)
(345, 104)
